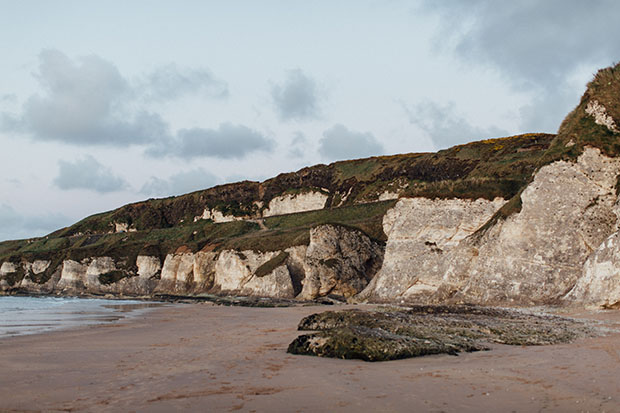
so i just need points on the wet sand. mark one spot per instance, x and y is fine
(201, 357)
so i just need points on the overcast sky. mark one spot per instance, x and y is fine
(108, 102)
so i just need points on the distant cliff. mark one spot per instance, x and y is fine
(524, 220)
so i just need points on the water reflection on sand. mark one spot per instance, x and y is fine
(31, 315)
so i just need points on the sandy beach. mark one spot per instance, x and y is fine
(201, 357)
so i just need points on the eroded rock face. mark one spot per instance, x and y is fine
(339, 261)
(291, 203)
(217, 216)
(148, 267)
(38, 266)
(536, 256)
(72, 275)
(599, 285)
(35, 271)
(6, 270)
(177, 272)
(280, 205)
(599, 113)
(421, 232)
(123, 227)
(97, 275)
(235, 273)
(276, 284)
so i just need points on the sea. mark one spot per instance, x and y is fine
(20, 315)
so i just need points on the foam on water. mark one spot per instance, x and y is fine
(29, 315)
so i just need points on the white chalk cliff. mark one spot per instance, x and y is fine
(535, 256)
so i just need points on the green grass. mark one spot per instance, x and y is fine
(294, 229)
(345, 215)
(580, 129)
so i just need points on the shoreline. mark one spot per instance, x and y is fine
(31, 315)
(186, 357)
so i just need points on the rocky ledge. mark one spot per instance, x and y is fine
(396, 333)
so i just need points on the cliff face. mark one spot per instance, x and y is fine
(421, 233)
(525, 220)
(337, 261)
(534, 256)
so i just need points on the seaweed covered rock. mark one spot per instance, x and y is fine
(374, 344)
(390, 334)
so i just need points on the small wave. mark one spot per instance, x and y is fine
(31, 315)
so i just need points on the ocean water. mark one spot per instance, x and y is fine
(30, 315)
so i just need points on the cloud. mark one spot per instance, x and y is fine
(445, 127)
(340, 143)
(298, 145)
(536, 45)
(87, 101)
(83, 102)
(180, 183)
(14, 225)
(228, 141)
(546, 110)
(170, 82)
(8, 98)
(297, 97)
(88, 174)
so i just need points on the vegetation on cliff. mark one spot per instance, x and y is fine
(592, 122)
(485, 169)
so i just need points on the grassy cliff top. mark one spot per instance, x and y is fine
(485, 169)
(582, 128)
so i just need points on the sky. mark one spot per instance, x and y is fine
(107, 103)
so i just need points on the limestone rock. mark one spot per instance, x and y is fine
(421, 232)
(536, 256)
(6, 270)
(35, 270)
(235, 272)
(72, 276)
(599, 113)
(177, 273)
(291, 203)
(339, 261)
(276, 284)
(599, 286)
(148, 266)
(204, 270)
(217, 216)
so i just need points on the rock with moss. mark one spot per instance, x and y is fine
(390, 334)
